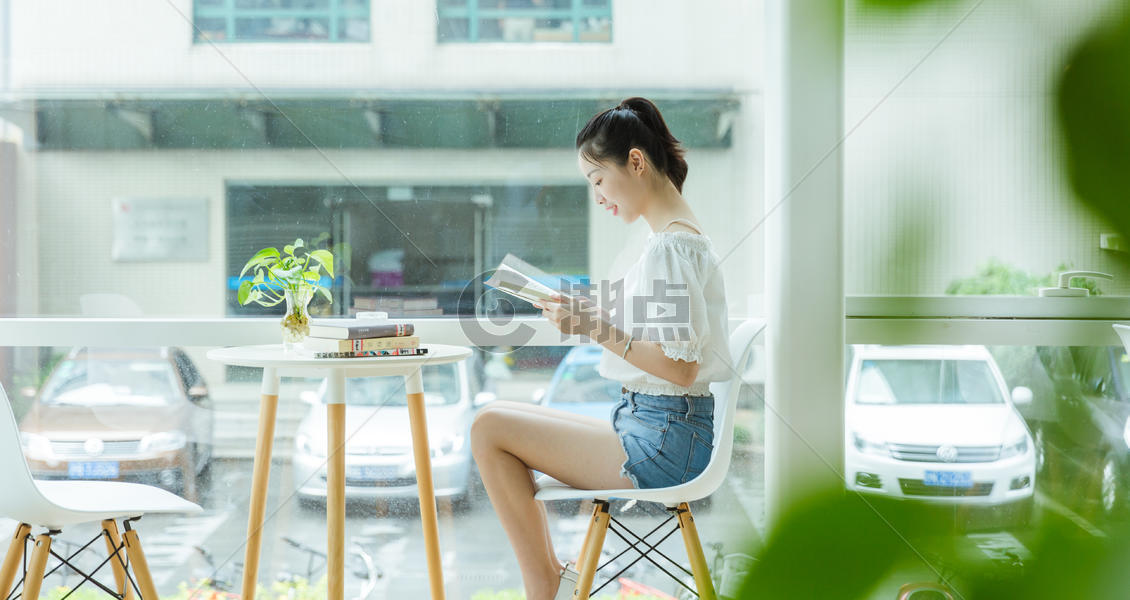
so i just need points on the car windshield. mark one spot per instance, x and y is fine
(88, 381)
(581, 383)
(441, 387)
(931, 381)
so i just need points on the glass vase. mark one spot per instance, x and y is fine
(296, 322)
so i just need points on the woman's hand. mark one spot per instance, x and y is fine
(574, 315)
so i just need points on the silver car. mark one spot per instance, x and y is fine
(378, 459)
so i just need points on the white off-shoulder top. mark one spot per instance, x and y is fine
(673, 295)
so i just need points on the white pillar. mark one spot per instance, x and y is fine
(804, 428)
(5, 49)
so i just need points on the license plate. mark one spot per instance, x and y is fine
(956, 479)
(370, 472)
(92, 470)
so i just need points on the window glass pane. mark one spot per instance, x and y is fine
(519, 5)
(951, 182)
(553, 30)
(596, 29)
(354, 30)
(201, 444)
(421, 275)
(212, 29)
(526, 29)
(282, 28)
(283, 4)
(526, 21)
(493, 29)
(294, 20)
(419, 167)
(453, 30)
(209, 3)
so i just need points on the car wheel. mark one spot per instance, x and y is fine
(703, 504)
(204, 456)
(1041, 451)
(568, 508)
(461, 503)
(312, 503)
(1024, 512)
(1112, 492)
(205, 471)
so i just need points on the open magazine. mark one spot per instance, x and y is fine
(523, 280)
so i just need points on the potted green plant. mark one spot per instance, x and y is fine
(293, 276)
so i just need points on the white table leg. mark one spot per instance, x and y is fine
(268, 406)
(335, 487)
(422, 451)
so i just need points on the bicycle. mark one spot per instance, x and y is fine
(215, 584)
(727, 572)
(364, 567)
(221, 583)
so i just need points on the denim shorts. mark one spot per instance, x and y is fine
(668, 439)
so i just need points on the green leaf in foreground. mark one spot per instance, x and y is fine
(1093, 105)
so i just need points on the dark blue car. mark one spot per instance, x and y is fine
(576, 387)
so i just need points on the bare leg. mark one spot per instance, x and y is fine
(568, 416)
(508, 441)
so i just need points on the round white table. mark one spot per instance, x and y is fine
(276, 363)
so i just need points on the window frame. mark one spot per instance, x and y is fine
(888, 320)
(334, 12)
(474, 14)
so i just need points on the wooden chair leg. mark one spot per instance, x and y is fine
(117, 562)
(37, 567)
(12, 559)
(694, 553)
(140, 565)
(588, 536)
(598, 527)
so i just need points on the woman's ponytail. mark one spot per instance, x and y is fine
(635, 123)
(674, 165)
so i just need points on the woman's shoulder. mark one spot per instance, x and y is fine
(684, 242)
(678, 252)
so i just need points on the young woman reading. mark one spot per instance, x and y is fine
(660, 434)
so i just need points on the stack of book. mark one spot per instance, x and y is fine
(398, 306)
(352, 338)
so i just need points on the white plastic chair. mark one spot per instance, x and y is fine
(56, 504)
(1123, 332)
(675, 498)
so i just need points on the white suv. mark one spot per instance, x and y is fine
(936, 424)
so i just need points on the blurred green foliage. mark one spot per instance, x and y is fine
(1093, 110)
(842, 546)
(900, 4)
(520, 595)
(1030, 366)
(299, 589)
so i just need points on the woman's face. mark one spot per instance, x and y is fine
(617, 189)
